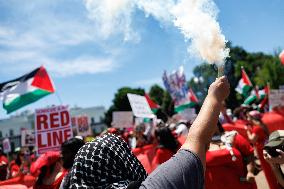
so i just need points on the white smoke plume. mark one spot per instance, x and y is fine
(196, 20)
(112, 17)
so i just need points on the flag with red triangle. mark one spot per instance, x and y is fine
(190, 103)
(154, 107)
(263, 94)
(244, 86)
(26, 89)
(257, 95)
(192, 96)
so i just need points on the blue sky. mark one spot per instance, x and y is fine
(87, 68)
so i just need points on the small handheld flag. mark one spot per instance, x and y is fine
(244, 85)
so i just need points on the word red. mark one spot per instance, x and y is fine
(52, 120)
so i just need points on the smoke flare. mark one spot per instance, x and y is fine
(196, 20)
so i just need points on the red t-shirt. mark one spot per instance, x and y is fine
(54, 185)
(162, 155)
(3, 159)
(270, 177)
(243, 145)
(14, 169)
(261, 136)
(222, 172)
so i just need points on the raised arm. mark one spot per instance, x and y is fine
(204, 126)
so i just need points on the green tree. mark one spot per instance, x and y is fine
(272, 71)
(261, 69)
(204, 75)
(168, 105)
(156, 93)
(163, 98)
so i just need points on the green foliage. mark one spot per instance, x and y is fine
(168, 105)
(272, 72)
(261, 68)
(163, 98)
(156, 93)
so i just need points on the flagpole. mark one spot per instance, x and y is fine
(58, 97)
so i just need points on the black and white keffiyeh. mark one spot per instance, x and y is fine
(106, 162)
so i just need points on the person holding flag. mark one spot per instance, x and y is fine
(264, 95)
(244, 86)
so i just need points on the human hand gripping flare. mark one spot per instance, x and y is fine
(204, 125)
(220, 89)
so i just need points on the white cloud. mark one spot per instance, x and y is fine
(81, 65)
(112, 18)
(60, 42)
(4, 32)
(14, 56)
(23, 61)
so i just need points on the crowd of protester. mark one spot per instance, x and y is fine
(172, 153)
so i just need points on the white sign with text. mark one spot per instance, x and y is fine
(122, 119)
(140, 106)
(27, 137)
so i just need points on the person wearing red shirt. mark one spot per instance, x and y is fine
(3, 165)
(19, 165)
(229, 162)
(258, 134)
(167, 146)
(51, 171)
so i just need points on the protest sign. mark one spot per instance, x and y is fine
(122, 119)
(27, 137)
(188, 114)
(52, 128)
(276, 98)
(6, 145)
(140, 106)
(82, 125)
(176, 85)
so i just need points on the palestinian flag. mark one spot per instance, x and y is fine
(154, 107)
(26, 89)
(192, 96)
(252, 97)
(192, 101)
(264, 93)
(244, 85)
